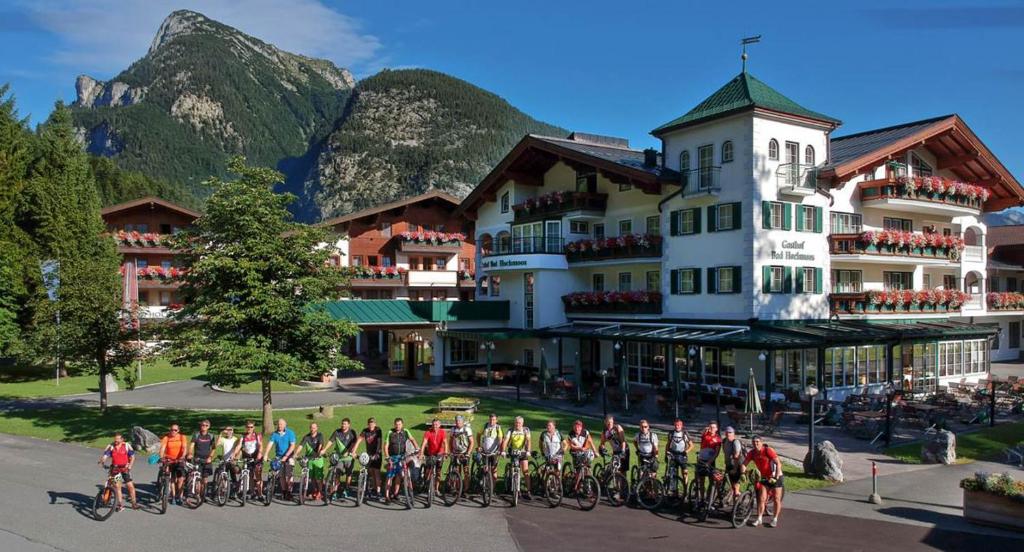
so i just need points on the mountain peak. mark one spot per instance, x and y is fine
(178, 23)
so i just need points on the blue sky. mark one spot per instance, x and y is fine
(596, 66)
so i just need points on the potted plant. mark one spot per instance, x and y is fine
(994, 499)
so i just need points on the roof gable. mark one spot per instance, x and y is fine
(741, 93)
(151, 201)
(433, 194)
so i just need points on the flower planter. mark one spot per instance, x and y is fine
(989, 509)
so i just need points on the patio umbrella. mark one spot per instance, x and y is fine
(753, 405)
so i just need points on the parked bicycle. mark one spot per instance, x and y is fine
(614, 485)
(745, 505)
(274, 481)
(483, 475)
(432, 467)
(715, 494)
(548, 479)
(163, 485)
(400, 468)
(222, 486)
(361, 481)
(673, 486)
(451, 488)
(578, 480)
(647, 488)
(514, 475)
(194, 488)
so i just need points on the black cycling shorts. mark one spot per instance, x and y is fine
(779, 483)
(126, 476)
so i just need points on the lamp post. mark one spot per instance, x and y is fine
(604, 390)
(519, 376)
(624, 382)
(763, 357)
(489, 347)
(717, 387)
(811, 391)
(692, 351)
(890, 390)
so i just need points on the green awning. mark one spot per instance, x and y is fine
(394, 312)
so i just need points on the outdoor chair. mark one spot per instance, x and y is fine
(773, 421)
(614, 397)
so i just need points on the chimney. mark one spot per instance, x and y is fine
(650, 158)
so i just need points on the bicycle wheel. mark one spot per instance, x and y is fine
(165, 494)
(431, 489)
(407, 485)
(486, 488)
(329, 486)
(589, 493)
(361, 487)
(704, 506)
(650, 492)
(692, 498)
(268, 489)
(221, 488)
(617, 489)
(452, 488)
(242, 490)
(193, 494)
(103, 505)
(553, 489)
(743, 508)
(303, 487)
(515, 488)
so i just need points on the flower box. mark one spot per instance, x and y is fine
(625, 302)
(433, 238)
(1005, 301)
(628, 246)
(996, 500)
(373, 272)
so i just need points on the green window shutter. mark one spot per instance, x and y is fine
(696, 280)
(712, 280)
(737, 216)
(696, 220)
(674, 223)
(800, 218)
(712, 218)
(818, 226)
(787, 216)
(787, 279)
(766, 279)
(817, 280)
(799, 279)
(737, 285)
(674, 279)
(766, 215)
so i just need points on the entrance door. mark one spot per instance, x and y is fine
(411, 358)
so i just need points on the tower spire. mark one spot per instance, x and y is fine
(744, 42)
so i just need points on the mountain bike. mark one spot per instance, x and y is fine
(514, 475)
(245, 480)
(647, 488)
(361, 481)
(578, 480)
(341, 466)
(222, 483)
(673, 486)
(304, 479)
(451, 489)
(746, 505)
(105, 502)
(275, 477)
(717, 496)
(194, 488)
(548, 479)
(400, 468)
(614, 485)
(163, 485)
(432, 466)
(483, 474)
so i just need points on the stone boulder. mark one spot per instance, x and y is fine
(827, 462)
(939, 447)
(144, 440)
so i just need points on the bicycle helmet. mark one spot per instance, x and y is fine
(335, 459)
(275, 465)
(364, 458)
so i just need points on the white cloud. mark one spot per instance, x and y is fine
(102, 37)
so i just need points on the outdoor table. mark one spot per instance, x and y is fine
(869, 414)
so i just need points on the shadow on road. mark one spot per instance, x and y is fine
(80, 502)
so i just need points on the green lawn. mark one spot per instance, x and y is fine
(984, 444)
(89, 427)
(40, 382)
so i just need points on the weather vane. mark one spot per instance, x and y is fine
(744, 42)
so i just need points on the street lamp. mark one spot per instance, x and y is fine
(518, 377)
(604, 390)
(717, 387)
(624, 382)
(489, 347)
(692, 351)
(890, 390)
(811, 391)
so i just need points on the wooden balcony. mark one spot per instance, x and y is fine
(612, 302)
(855, 245)
(635, 251)
(561, 203)
(859, 303)
(893, 193)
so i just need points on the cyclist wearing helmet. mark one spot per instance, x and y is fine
(552, 446)
(122, 456)
(282, 440)
(250, 449)
(677, 449)
(517, 443)
(201, 451)
(397, 442)
(310, 448)
(343, 440)
(616, 436)
(732, 451)
(461, 446)
(372, 436)
(646, 444)
(490, 439)
(173, 449)
(770, 469)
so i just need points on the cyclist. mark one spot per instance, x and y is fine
(372, 436)
(250, 449)
(398, 440)
(677, 450)
(283, 442)
(310, 446)
(517, 443)
(343, 440)
(710, 444)
(552, 445)
(122, 457)
(491, 437)
(646, 444)
(201, 451)
(770, 469)
(461, 446)
(227, 443)
(616, 436)
(732, 451)
(173, 449)
(581, 447)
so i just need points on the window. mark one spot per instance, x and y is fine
(625, 227)
(579, 227)
(776, 215)
(684, 222)
(465, 264)
(705, 166)
(625, 281)
(919, 166)
(440, 263)
(165, 298)
(462, 351)
(725, 216)
(597, 282)
(847, 281)
(890, 223)
(625, 186)
(586, 182)
(165, 228)
(504, 202)
(727, 151)
(481, 286)
(357, 260)
(719, 366)
(684, 162)
(495, 286)
(166, 265)
(950, 281)
(808, 218)
(1011, 283)
(653, 280)
(926, 281)
(845, 223)
(687, 281)
(645, 362)
(809, 155)
(654, 225)
(385, 229)
(1013, 333)
(725, 220)
(808, 279)
(776, 279)
(898, 280)
(793, 155)
(599, 231)
(373, 260)
(528, 299)
(773, 149)
(427, 227)
(140, 227)
(725, 279)
(528, 358)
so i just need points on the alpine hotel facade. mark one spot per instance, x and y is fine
(753, 243)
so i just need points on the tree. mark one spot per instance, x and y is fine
(15, 152)
(254, 280)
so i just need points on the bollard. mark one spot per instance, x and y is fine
(874, 498)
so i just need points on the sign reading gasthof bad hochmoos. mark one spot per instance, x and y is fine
(791, 251)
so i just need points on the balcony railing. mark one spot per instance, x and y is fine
(613, 302)
(431, 278)
(516, 246)
(932, 189)
(898, 301)
(431, 241)
(897, 244)
(1005, 301)
(797, 178)
(974, 253)
(557, 203)
(622, 247)
(704, 180)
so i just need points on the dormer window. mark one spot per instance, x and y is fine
(586, 181)
(727, 151)
(773, 150)
(919, 166)
(809, 156)
(684, 161)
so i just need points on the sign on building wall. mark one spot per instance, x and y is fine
(523, 262)
(791, 250)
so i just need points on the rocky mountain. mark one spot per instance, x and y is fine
(205, 91)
